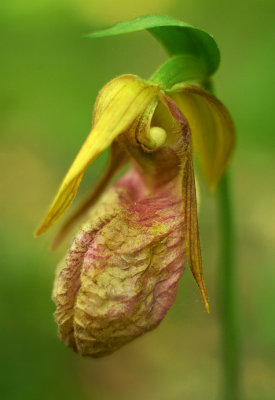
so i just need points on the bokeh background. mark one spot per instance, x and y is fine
(50, 76)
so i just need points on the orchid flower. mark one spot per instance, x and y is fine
(120, 275)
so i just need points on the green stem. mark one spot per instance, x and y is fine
(227, 296)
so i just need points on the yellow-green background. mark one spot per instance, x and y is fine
(49, 76)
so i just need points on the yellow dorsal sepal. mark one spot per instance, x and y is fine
(118, 104)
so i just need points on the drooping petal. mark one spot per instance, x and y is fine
(211, 126)
(120, 102)
(189, 201)
(118, 158)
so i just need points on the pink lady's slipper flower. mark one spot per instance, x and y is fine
(121, 273)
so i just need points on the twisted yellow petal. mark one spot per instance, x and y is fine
(192, 235)
(189, 197)
(118, 104)
(211, 126)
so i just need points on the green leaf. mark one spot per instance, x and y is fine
(177, 37)
(182, 68)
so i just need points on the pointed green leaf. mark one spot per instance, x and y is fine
(176, 36)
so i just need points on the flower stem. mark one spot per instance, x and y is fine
(227, 296)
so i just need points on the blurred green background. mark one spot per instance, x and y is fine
(50, 76)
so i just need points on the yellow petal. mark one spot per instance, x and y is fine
(193, 237)
(211, 126)
(119, 103)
